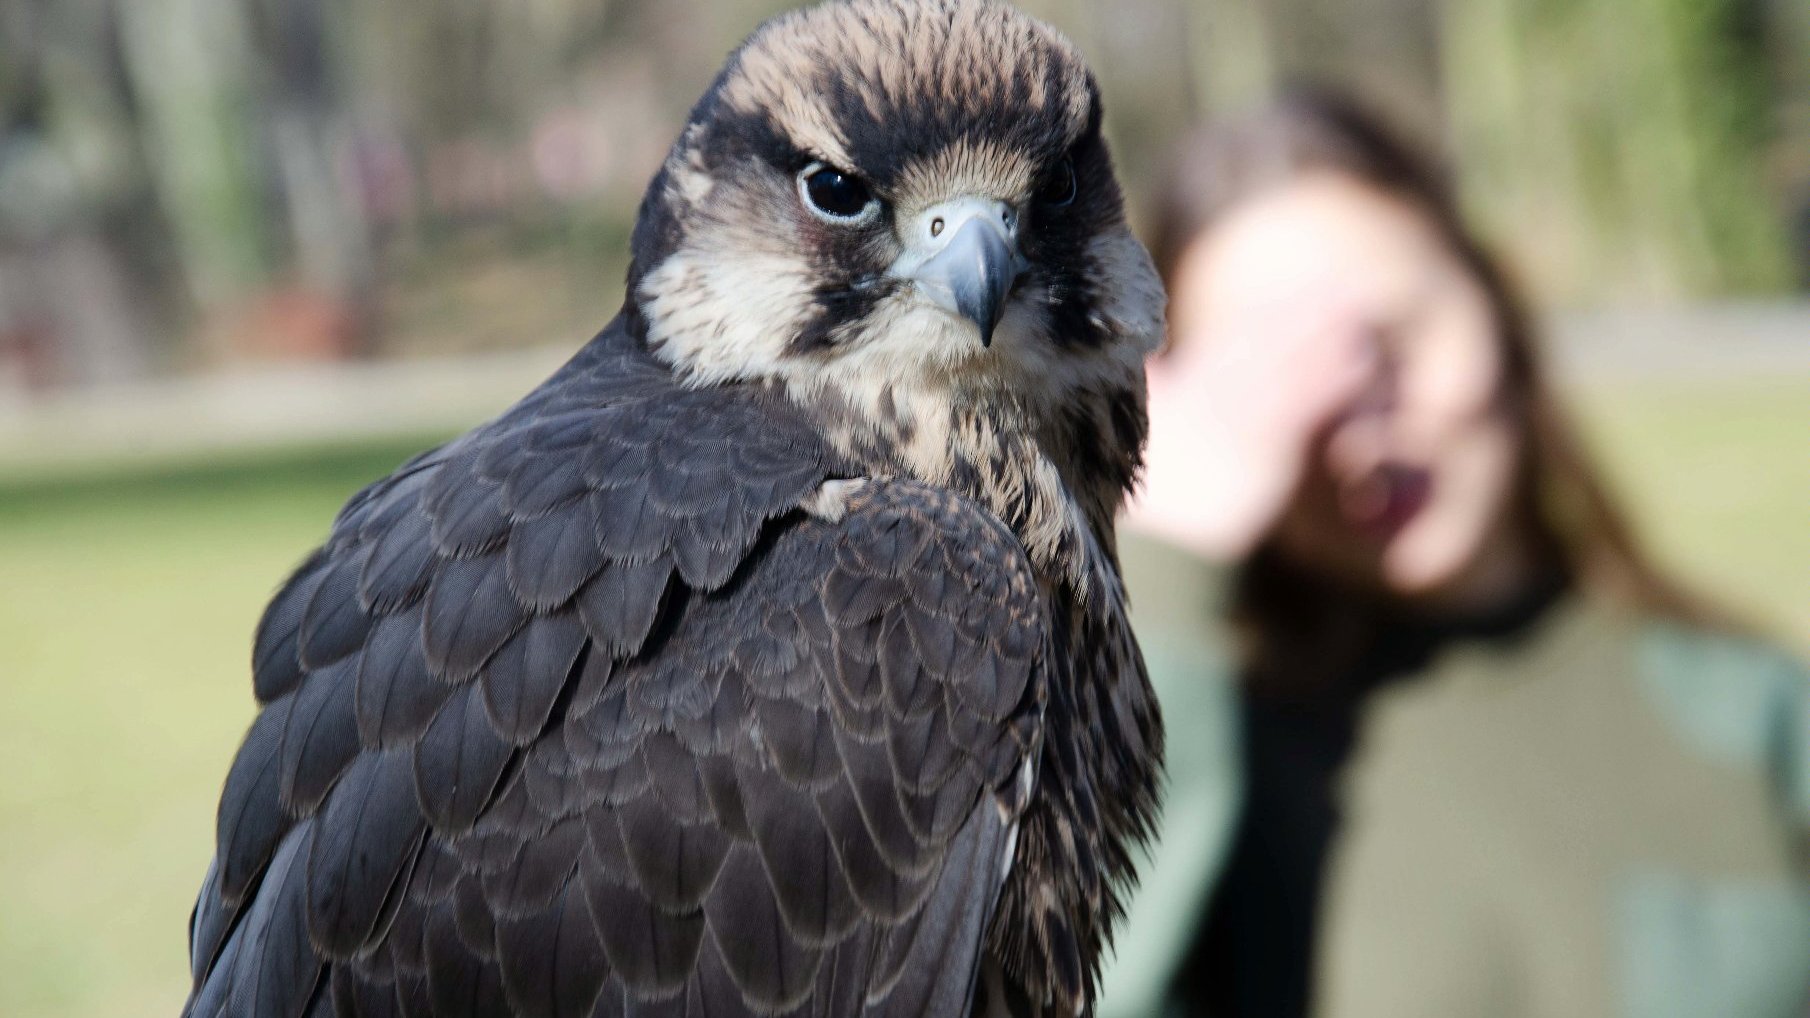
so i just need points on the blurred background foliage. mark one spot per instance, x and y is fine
(196, 190)
(250, 179)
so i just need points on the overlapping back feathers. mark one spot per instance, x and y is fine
(581, 715)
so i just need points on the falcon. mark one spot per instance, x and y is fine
(771, 657)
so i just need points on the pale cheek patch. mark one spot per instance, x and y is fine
(726, 304)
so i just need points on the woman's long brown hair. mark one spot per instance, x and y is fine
(1298, 626)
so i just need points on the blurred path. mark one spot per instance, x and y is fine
(1721, 342)
(143, 426)
(198, 418)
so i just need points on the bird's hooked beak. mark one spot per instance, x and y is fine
(963, 255)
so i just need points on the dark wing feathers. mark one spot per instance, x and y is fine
(526, 882)
(552, 959)
(320, 736)
(402, 556)
(398, 695)
(550, 557)
(207, 928)
(275, 972)
(365, 837)
(618, 608)
(470, 611)
(334, 624)
(524, 680)
(276, 664)
(251, 819)
(674, 864)
(549, 477)
(580, 716)
(459, 763)
(927, 963)
(770, 965)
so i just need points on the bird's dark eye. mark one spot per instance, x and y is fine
(1059, 189)
(835, 194)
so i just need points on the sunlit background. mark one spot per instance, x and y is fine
(255, 252)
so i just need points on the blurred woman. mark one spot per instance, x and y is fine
(1443, 740)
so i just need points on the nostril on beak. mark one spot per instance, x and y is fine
(936, 227)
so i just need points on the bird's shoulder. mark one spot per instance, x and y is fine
(906, 613)
(611, 460)
(611, 672)
(931, 581)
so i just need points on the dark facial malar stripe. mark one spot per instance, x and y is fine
(835, 305)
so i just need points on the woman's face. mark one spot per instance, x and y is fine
(1406, 484)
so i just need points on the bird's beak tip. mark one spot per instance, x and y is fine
(973, 269)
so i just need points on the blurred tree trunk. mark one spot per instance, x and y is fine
(76, 281)
(1617, 140)
(186, 61)
(309, 132)
(1788, 29)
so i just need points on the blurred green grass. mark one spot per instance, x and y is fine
(1716, 477)
(126, 612)
(129, 599)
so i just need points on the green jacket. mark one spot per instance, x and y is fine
(1610, 815)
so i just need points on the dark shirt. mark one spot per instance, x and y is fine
(1253, 957)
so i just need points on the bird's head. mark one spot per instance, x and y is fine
(898, 197)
